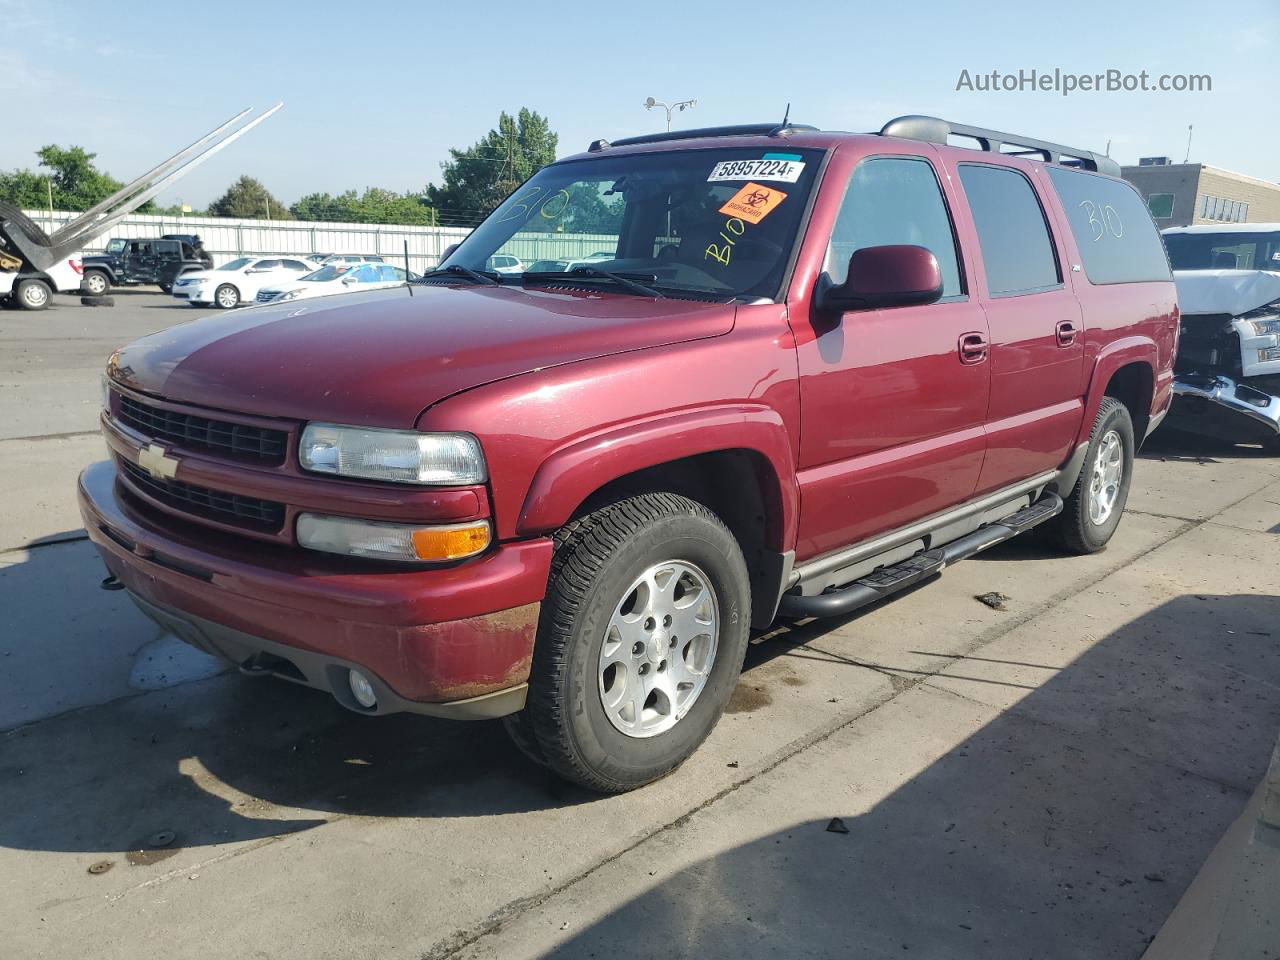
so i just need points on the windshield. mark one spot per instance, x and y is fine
(115, 246)
(237, 264)
(331, 272)
(1229, 250)
(702, 222)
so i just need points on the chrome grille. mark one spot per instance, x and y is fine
(204, 433)
(266, 515)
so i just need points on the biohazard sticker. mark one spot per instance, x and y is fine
(753, 203)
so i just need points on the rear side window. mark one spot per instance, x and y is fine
(893, 200)
(1016, 249)
(1117, 239)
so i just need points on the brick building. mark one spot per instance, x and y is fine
(1182, 194)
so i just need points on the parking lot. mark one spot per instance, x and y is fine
(1045, 779)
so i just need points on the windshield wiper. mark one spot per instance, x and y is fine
(457, 270)
(630, 281)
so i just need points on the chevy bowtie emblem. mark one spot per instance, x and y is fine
(156, 462)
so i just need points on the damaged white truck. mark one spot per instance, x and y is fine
(36, 264)
(1227, 374)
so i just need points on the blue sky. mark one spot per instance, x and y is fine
(375, 94)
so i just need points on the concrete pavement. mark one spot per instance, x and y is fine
(1042, 781)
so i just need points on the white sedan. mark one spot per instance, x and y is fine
(239, 281)
(338, 278)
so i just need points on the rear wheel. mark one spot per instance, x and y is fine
(96, 283)
(32, 294)
(1096, 503)
(226, 296)
(640, 644)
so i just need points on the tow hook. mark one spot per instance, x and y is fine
(111, 583)
(256, 666)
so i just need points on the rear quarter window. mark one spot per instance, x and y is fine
(1017, 252)
(1117, 239)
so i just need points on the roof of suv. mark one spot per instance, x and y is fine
(911, 127)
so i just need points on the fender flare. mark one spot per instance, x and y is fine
(1117, 354)
(567, 477)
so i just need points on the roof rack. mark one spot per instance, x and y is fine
(933, 130)
(736, 130)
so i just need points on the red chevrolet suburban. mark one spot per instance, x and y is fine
(784, 372)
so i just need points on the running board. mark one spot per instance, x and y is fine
(886, 581)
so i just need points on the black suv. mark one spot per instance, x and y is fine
(130, 262)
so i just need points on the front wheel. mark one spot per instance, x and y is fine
(96, 283)
(1096, 503)
(226, 296)
(640, 642)
(165, 287)
(32, 294)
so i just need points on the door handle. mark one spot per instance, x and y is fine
(1066, 332)
(973, 347)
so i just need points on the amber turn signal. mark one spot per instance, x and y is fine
(452, 542)
(393, 541)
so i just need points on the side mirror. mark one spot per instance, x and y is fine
(348, 280)
(448, 251)
(895, 275)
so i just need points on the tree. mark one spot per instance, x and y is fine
(375, 205)
(76, 183)
(477, 179)
(248, 199)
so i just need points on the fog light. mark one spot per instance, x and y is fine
(362, 689)
(1268, 353)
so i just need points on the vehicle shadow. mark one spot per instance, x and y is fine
(1066, 826)
(1168, 443)
(214, 759)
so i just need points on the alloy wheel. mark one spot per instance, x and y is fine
(659, 648)
(1106, 477)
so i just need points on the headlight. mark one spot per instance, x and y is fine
(392, 541)
(106, 392)
(1264, 327)
(403, 456)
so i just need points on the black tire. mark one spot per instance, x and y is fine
(1076, 530)
(519, 728)
(95, 283)
(32, 294)
(597, 556)
(229, 293)
(20, 221)
(166, 287)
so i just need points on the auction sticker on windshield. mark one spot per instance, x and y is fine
(753, 203)
(782, 167)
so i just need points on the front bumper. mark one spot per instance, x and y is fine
(452, 641)
(1220, 407)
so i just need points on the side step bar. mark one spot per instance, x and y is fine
(888, 580)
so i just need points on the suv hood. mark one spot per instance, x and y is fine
(380, 358)
(1233, 292)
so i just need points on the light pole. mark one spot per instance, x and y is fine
(650, 103)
